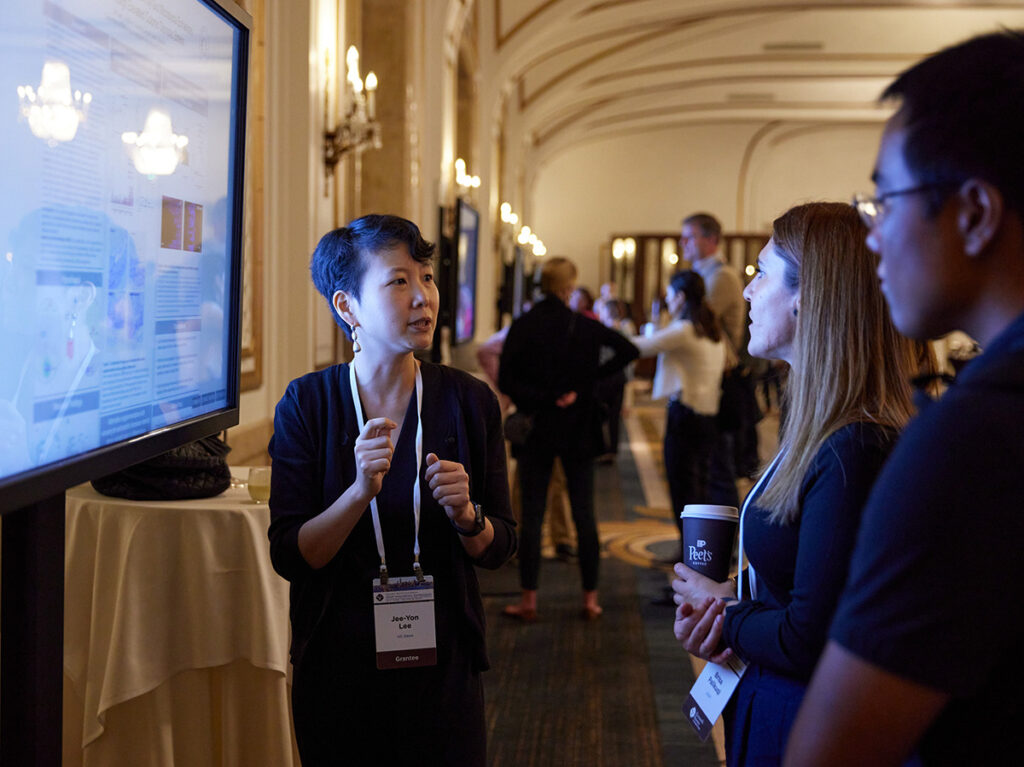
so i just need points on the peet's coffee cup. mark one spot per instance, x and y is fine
(709, 533)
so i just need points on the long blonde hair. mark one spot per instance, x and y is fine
(850, 362)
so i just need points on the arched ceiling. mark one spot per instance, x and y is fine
(564, 72)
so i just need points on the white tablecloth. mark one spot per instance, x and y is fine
(176, 634)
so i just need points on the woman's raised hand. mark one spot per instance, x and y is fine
(373, 451)
(699, 629)
(449, 483)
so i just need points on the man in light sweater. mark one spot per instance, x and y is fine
(699, 240)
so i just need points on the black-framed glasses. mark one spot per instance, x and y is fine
(872, 208)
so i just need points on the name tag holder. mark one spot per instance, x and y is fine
(711, 692)
(403, 607)
(403, 619)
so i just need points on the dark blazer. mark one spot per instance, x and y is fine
(552, 350)
(315, 430)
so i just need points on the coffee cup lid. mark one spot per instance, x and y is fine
(709, 511)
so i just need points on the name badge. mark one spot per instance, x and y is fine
(403, 618)
(711, 692)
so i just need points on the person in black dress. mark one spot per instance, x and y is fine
(419, 448)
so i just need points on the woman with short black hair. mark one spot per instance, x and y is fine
(388, 486)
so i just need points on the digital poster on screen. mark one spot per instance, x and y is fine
(116, 208)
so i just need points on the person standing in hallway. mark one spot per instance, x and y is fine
(924, 653)
(392, 470)
(814, 303)
(691, 358)
(700, 240)
(549, 365)
(558, 518)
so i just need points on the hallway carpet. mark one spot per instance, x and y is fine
(565, 692)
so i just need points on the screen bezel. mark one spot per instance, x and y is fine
(34, 485)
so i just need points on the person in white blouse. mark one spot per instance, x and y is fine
(691, 358)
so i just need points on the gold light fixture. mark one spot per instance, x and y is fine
(359, 130)
(507, 215)
(462, 178)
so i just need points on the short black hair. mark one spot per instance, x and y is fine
(963, 113)
(339, 261)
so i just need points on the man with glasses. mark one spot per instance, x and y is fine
(924, 656)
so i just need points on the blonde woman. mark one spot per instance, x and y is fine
(815, 303)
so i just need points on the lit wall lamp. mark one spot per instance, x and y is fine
(462, 178)
(158, 149)
(507, 215)
(52, 111)
(359, 130)
(528, 237)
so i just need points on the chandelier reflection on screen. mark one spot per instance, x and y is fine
(52, 110)
(359, 129)
(157, 150)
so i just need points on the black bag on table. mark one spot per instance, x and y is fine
(196, 470)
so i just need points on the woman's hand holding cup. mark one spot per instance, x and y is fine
(373, 451)
(690, 586)
(699, 629)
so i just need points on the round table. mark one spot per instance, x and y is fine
(176, 633)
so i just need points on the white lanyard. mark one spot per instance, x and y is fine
(751, 575)
(417, 570)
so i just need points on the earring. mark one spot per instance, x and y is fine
(356, 348)
(794, 312)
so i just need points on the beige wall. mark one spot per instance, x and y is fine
(620, 184)
(290, 159)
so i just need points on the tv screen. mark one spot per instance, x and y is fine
(120, 233)
(465, 303)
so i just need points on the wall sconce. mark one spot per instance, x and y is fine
(507, 215)
(359, 129)
(52, 111)
(527, 237)
(157, 150)
(462, 179)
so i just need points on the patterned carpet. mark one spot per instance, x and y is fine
(564, 692)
